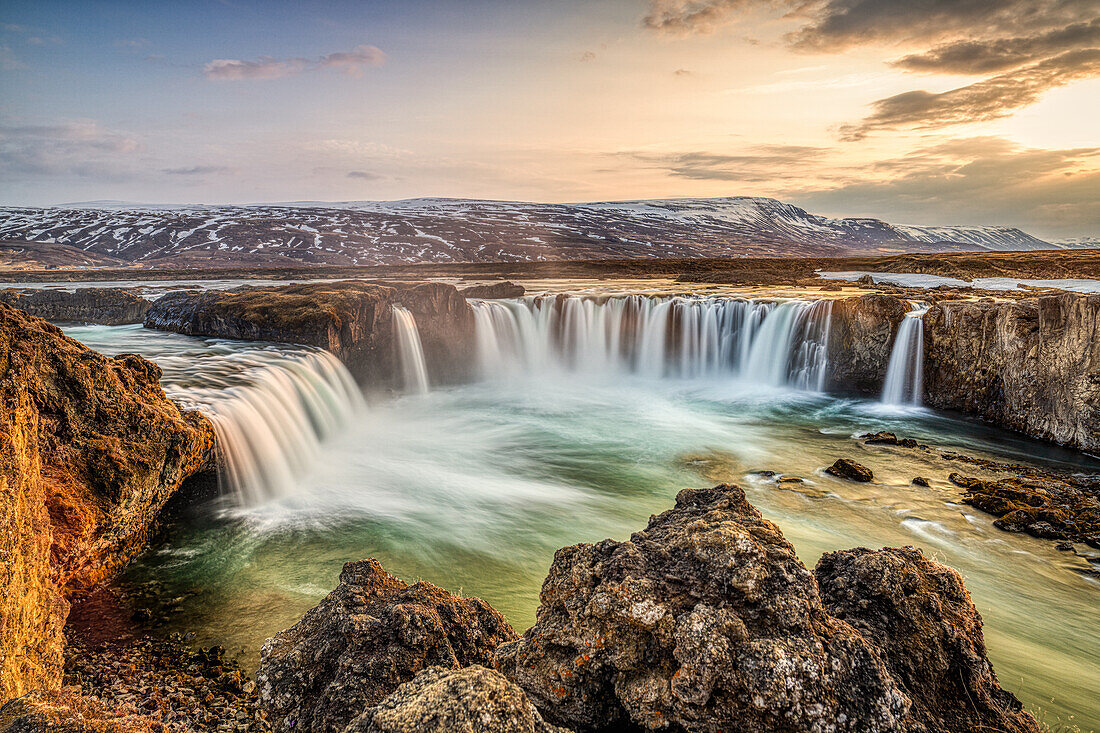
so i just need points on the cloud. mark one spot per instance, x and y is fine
(687, 17)
(364, 175)
(756, 164)
(588, 56)
(988, 99)
(976, 180)
(9, 61)
(351, 63)
(132, 44)
(986, 56)
(67, 148)
(683, 72)
(196, 170)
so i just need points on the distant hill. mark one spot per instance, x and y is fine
(459, 230)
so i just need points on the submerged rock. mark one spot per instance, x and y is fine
(919, 616)
(1044, 505)
(846, 468)
(107, 306)
(921, 481)
(370, 635)
(704, 621)
(91, 450)
(353, 320)
(441, 700)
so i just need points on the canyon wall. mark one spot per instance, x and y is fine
(353, 320)
(861, 335)
(90, 451)
(107, 306)
(1029, 365)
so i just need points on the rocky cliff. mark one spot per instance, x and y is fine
(90, 451)
(1030, 365)
(353, 320)
(705, 621)
(861, 336)
(107, 306)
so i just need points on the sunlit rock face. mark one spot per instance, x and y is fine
(1031, 365)
(91, 449)
(353, 320)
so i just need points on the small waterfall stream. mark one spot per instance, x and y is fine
(904, 381)
(772, 343)
(410, 352)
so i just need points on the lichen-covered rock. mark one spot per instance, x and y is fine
(440, 700)
(861, 337)
(1061, 507)
(704, 621)
(1029, 365)
(370, 635)
(846, 468)
(108, 306)
(920, 618)
(91, 449)
(352, 319)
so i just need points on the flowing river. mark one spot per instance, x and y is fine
(473, 487)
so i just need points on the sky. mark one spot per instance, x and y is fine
(915, 111)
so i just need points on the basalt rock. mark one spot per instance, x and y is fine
(919, 616)
(502, 289)
(441, 700)
(370, 635)
(353, 320)
(848, 469)
(704, 621)
(1028, 365)
(107, 306)
(1061, 507)
(90, 451)
(861, 337)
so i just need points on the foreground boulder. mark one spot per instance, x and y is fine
(1029, 365)
(69, 712)
(90, 452)
(353, 320)
(441, 700)
(107, 306)
(919, 616)
(367, 637)
(704, 621)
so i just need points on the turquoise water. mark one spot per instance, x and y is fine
(474, 488)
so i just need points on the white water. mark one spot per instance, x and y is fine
(771, 343)
(904, 381)
(410, 352)
(272, 406)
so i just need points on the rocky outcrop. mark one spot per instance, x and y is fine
(919, 616)
(704, 621)
(353, 320)
(90, 451)
(442, 700)
(107, 306)
(846, 468)
(1031, 365)
(861, 336)
(370, 635)
(502, 289)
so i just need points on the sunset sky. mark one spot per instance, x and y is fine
(920, 111)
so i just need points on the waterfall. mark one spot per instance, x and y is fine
(271, 420)
(410, 352)
(774, 343)
(905, 371)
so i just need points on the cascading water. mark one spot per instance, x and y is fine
(905, 371)
(772, 343)
(410, 352)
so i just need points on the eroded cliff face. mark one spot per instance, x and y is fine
(353, 320)
(861, 337)
(1032, 365)
(90, 451)
(107, 306)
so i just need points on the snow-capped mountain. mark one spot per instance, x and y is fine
(459, 230)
